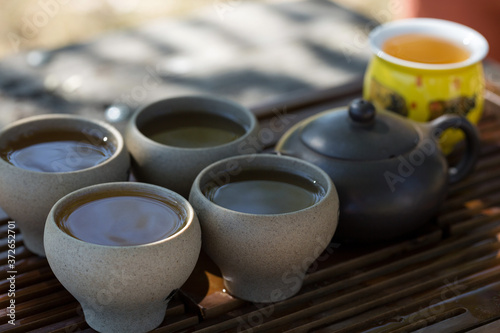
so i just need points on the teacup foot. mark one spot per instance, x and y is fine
(34, 243)
(122, 320)
(264, 290)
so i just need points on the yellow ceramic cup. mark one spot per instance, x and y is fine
(423, 91)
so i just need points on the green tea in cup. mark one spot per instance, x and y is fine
(264, 216)
(57, 150)
(122, 218)
(424, 48)
(265, 192)
(122, 249)
(45, 157)
(192, 129)
(173, 139)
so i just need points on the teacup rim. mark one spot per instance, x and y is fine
(253, 121)
(190, 219)
(111, 129)
(401, 26)
(328, 191)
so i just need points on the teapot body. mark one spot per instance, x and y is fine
(381, 199)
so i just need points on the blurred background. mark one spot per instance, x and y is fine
(48, 24)
(85, 57)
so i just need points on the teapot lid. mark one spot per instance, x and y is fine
(360, 133)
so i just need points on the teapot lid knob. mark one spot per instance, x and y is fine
(362, 111)
(359, 133)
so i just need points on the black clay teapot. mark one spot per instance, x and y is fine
(389, 171)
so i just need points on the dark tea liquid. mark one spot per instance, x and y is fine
(120, 218)
(265, 192)
(192, 130)
(57, 151)
(425, 49)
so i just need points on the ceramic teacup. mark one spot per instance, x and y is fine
(125, 287)
(264, 239)
(423, 68)
(34, 174)
(173, 139)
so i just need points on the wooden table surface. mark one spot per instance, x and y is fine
(445, 278)
(290, 63)
(249, 52)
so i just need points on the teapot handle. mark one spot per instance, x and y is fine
(471, 154)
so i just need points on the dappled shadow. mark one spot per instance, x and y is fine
(220, 30)
(306, 11)
(335, 58)
(223, 61)
(238, 81)
(30, 88)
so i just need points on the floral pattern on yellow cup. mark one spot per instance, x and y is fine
(425, 91)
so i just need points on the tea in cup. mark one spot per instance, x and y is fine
(423, 68)
(45, 157)
(172, 140)
(265, 219)
(122, 250)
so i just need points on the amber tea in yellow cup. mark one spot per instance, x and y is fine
(423, 68)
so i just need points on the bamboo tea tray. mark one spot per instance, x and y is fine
(446, 278)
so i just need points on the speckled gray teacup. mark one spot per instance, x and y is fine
(176, 168)
(123, 288)
(27, 196)
(264, 258)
